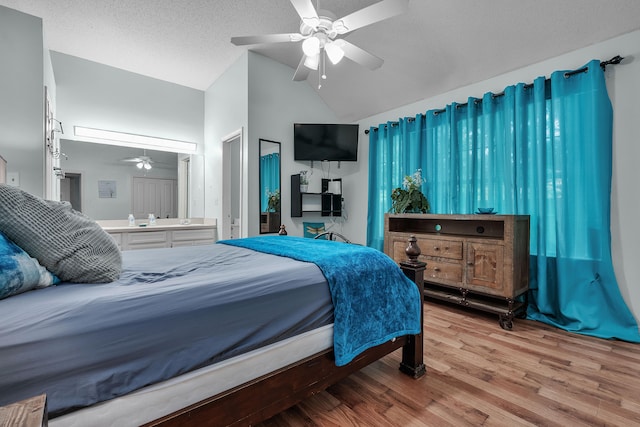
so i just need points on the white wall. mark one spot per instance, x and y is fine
(102, 97)
(225, 113)
(258, 95)
(98, 96)
(22, 98)
(623, 82)
(275, 103)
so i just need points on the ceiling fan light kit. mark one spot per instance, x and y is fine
(311, 46)
(312, 62)
(334, 51)
(320, 31)
(143, 164)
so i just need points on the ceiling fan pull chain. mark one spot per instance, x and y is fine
(324, 62)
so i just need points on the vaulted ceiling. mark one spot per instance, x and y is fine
(436, 47)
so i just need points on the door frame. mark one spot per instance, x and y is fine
(80, 177)
(234, 137)
(184, 186)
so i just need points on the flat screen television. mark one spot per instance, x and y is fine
(330, 142)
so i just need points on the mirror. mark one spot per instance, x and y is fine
(104, 182)
(269, 172)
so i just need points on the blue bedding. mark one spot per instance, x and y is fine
(373, 300)
(171, 311)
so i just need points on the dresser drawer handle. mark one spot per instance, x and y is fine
(436, 248)
(470, 263)
(436, 269)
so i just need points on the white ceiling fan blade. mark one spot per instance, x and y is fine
(267, 38)
(306, 11)
(371, 14)
(135, 159)
(361, 56)
(302, 72)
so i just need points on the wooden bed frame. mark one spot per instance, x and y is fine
(264, 397)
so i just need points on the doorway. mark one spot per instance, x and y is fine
(184, 166)
(71, 190)
(233, 225)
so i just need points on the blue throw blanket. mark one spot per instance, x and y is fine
(373, 300)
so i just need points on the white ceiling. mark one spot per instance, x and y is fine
(435, 47)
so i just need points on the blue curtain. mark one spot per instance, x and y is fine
(269, 178)
(395, 150)
(544, 150)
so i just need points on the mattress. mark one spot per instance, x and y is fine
(158, 400)
(171, 312)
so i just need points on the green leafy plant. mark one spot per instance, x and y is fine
(304, 180)
(273, 201)
(409, 198)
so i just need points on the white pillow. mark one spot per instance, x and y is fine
(69, 244)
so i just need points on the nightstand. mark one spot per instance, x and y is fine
(30, 412)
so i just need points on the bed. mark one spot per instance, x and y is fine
(224, 334)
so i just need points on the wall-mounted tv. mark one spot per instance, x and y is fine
(331, 142)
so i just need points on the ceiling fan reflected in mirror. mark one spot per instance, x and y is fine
(142, 162)
(321, 32)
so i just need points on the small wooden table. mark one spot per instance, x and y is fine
(30, 412)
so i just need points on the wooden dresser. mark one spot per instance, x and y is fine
(480, 261)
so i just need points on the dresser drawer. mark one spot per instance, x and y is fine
(146, 237)
(180, 244)
(441, 248)
(208, 234)
(442, 272)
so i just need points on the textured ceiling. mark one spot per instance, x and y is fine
(437, 46)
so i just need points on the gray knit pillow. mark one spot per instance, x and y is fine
(67, 243)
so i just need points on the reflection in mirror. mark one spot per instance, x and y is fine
(269, 186)
(110, 182)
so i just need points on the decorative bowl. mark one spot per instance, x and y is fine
(485, 210)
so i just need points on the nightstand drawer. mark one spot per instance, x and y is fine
(30, 412)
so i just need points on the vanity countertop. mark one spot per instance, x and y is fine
(161, 224)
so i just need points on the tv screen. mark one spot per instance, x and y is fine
(332, 142)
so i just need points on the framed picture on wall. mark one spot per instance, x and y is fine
(107, 189)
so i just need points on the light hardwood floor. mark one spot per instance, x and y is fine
(481, 375)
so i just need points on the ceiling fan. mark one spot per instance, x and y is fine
(321, 32)
(142, 162)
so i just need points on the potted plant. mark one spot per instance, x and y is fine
(409, 198)
(273, 201)
(304, 182)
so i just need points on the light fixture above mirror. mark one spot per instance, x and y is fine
(125, 139)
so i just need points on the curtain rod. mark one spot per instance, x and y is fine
(613, 61)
